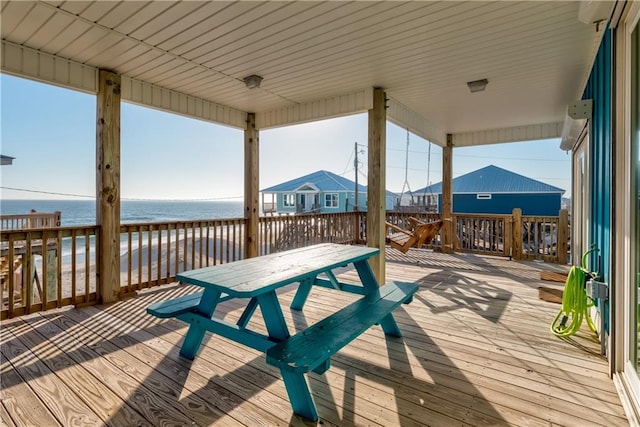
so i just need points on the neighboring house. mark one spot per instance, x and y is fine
(493, 190)
(6, 160)
(321, 192)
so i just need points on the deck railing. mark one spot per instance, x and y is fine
(30, 220)
(47, 268)
(61, 262)
(294, 231)
(153, 253)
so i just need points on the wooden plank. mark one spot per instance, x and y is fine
(56, 395)
(157, 397)
(179, 373)
(108, 185)
(68, 364)
(5, 418)
(553, 276)
(19, 401)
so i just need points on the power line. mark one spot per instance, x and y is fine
(122, 198)
(47, 192)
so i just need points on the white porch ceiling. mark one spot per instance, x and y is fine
(319, 59)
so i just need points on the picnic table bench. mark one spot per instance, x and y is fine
(258, 279)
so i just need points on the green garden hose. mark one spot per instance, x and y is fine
(575, 303)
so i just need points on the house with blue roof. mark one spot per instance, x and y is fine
(493, 190)
(318, 192)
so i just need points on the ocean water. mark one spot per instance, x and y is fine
(83, 212)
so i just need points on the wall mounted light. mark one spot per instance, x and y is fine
(477, 85)
(252, 81)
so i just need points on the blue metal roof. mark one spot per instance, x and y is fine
(492, 179)
(322, 180)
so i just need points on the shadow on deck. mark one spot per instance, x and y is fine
(476, 351)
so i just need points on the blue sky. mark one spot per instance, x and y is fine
(51, 133)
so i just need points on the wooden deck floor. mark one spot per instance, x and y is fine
(476, 351)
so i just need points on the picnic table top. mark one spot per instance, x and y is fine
(254, 276)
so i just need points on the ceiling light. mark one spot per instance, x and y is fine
(477, 85)
(252, 81)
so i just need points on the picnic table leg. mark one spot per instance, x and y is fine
(195, 334)
(273, 317)
(389, 326)
(299, 395)
(301, 294)
(247, 313)
(370, 283)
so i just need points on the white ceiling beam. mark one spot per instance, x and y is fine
(355, 102)
(511, 134)
(404, 117)
(149, 95)
(29, 63)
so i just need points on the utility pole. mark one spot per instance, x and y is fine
(355, 163)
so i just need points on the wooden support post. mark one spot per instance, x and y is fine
(447, 197)
(376, 200)
(108, 185)
(563, 236)
(251, 189)
(517, 233)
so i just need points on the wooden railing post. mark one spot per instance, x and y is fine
(563, 236)
(517, 233)
(507, 239)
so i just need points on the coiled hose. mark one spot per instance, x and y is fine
(575, 303)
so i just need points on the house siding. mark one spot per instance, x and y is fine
(345, 202)
(547, 204)
(600, 89)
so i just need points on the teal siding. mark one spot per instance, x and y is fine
(599, 88)
(541, 204)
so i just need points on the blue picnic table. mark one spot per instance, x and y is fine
(257, 281)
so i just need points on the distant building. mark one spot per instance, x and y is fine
(320, 192)
(6, 160)
(493, 190)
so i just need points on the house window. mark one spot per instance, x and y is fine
(289, 200)
(331, 200)
(483, 196)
